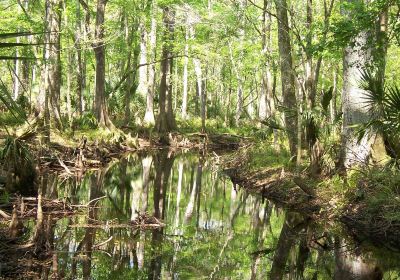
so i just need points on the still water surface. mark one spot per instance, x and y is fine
(214, 230)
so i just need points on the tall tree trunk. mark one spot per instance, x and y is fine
(42, 102)
(149, 115)
(100, 106)
(309, 71)
(54, 65)
(239, 99)
(287, 75)
(70, 68)
(142, 88)
(131, 77)
(380, 51)
(357, 56)
(333, 107)
(266, 103)
(80, 73)
(185, 73)
(163, 124)
(169, 106)
(199, 88)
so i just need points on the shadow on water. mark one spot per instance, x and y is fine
(214, 230)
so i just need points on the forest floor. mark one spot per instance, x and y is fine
(366, 201)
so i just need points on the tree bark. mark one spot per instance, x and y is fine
(100, 106)
(357, 56)
(310, 74)
(142, 77)
(239, 104)
(380, 51)
(266, 103)
(149, 115)
(185, 74)
(287, 75)
(80, 73)
(70, 68)
(199, 88)
(131, 77)
(164, 124)
(54, 65)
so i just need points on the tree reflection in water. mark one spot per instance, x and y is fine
(213, 229)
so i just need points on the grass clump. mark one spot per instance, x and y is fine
(380, 192)
(18, 164)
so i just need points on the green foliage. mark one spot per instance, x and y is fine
(18, 164)
(265, 155)
(86, 121)
(4, 197)
(379, 189)
(15, 152)
(384, 104)
(12, 106)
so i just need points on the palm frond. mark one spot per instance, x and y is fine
(374, 97)
(10, 104)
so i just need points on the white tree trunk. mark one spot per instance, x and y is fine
(149, 115)
(142, 88)
(356, 58)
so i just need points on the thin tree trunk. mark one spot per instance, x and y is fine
(199, 84)
(380, 51)
(309, 79)
(131, 63)
(80, 74)
(333, 109)
(142, 77)
(185, 74)
(70, 69)
(169, 106)
(239, 99)
(54, 65)
(149, 115)
(42, 102)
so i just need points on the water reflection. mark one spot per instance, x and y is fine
(214, 229)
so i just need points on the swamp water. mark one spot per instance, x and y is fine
(214, 230)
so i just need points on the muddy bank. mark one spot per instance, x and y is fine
(279, 186)
(64, 152)
(293, 192)
(73, 157)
